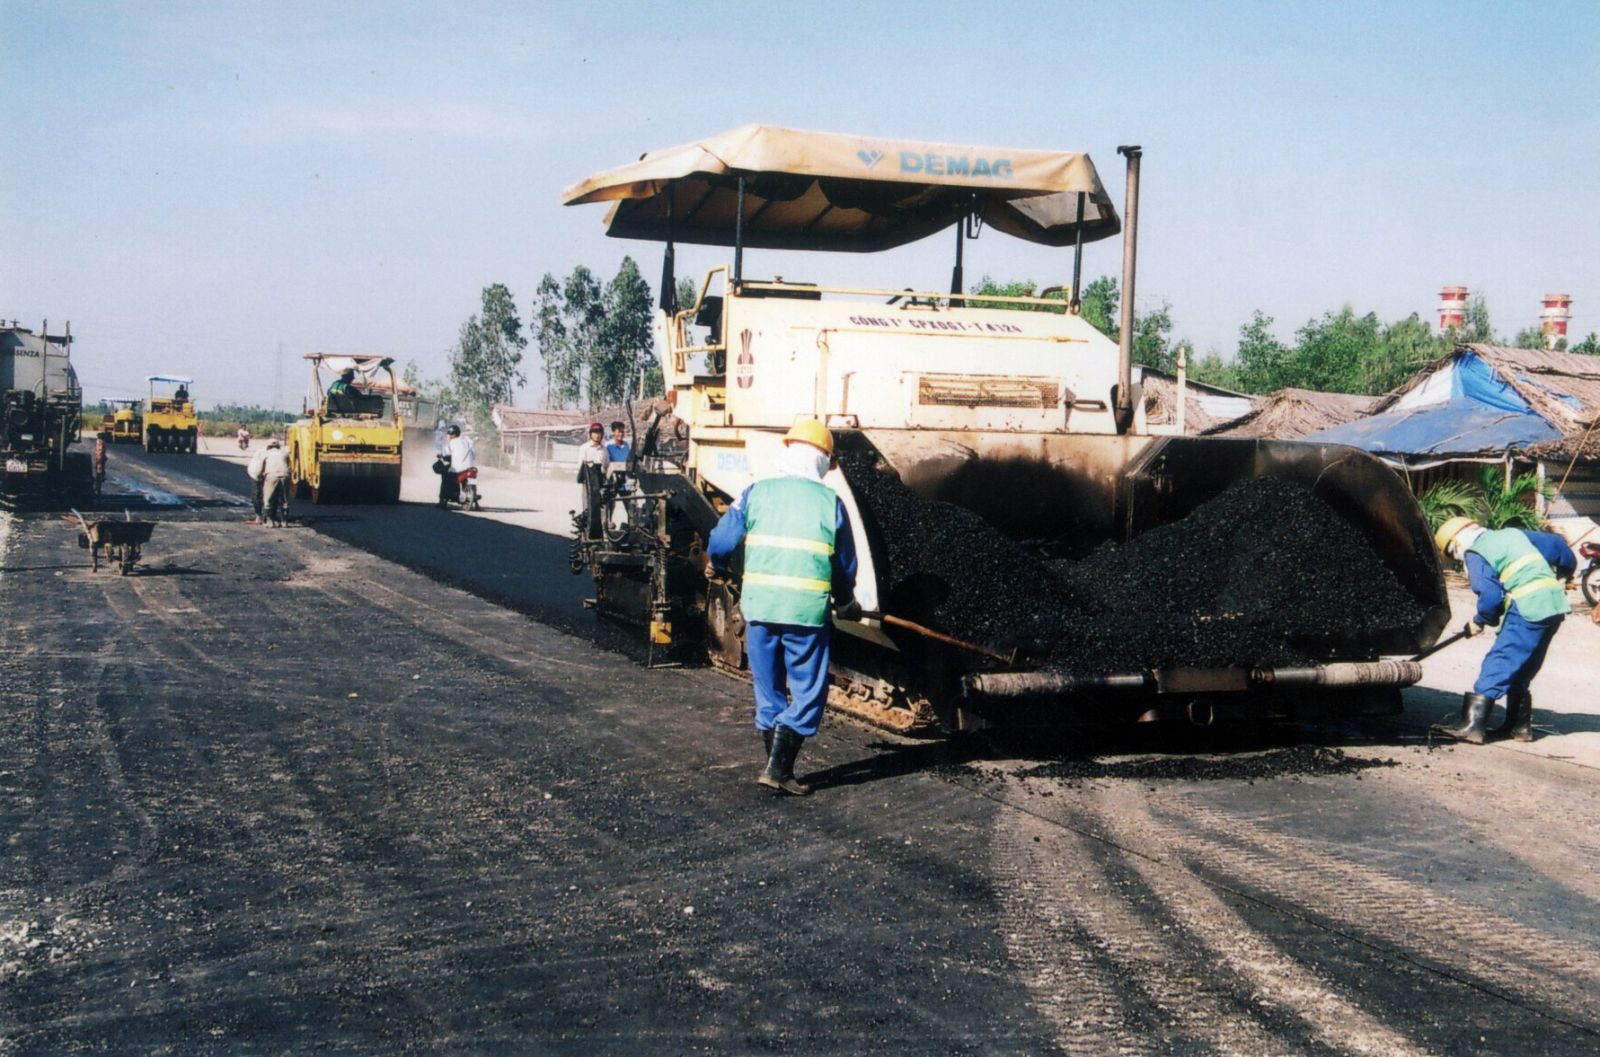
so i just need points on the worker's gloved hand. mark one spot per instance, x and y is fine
(849, 609)
(715, 575)
(1471, 628)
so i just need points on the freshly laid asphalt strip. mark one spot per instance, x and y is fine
(270, 794)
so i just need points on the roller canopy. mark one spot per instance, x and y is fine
(824, 191)
(337, 363)
(169, 378)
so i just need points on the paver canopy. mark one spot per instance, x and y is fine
(824, 191)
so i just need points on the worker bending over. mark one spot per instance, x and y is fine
(1517, 577)
(257, 469)
(275, 482)
(798, 551)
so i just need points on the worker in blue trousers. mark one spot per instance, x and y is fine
(1517, 576)
(798, 554)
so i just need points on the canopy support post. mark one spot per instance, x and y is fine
(956, 280)
(1123, 412)
(738, 239)
(1076, 304)
(669, 278)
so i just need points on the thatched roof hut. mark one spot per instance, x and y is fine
(1290, 414)
(1206, 407)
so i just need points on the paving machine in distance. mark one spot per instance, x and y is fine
(41, 413)
(1015, 408)
(170, 423)
(347, 447)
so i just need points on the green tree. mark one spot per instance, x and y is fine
(1331, 353)
(485, 364)
(583, 313)
(1528, 338)
(1100, 301)
(1403, 349)
(550, 338)
(1261, 363)
(626, 345)
(1476, 326)
(1589, 346)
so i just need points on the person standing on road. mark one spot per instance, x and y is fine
(798, 551)
(275, 479)
(617, 452)
(462, 462)
(256, 468)
(593, 452)
(1517, 576)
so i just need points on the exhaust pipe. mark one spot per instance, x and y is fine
(1123, 412)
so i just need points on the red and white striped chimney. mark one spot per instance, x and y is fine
(1452, 308)
(1557, 310)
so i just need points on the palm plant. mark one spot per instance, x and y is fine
(1491, 501)
(1512, 504)
(1449, 499)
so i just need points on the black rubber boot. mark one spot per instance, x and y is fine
(1474, 712)
(1519, 717)
(779, 774)
(766, 741)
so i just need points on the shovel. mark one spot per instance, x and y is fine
(1441, 644)
(939, 636)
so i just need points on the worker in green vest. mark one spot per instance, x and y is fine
(798, 555)
(1517, 576)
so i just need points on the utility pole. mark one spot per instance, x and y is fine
(277, 381)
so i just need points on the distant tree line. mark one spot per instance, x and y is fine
(1339, 352)
(594, 340)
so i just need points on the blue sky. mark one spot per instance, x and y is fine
(194, 185)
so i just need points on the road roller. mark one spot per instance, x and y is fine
(169, 420)
(346, 448)
(1015, 409)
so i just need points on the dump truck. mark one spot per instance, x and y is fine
(42, 407)
(170, 423)
(1013, 408)
(347, 447)
(125, 424)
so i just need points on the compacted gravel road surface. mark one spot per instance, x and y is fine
(358, 787)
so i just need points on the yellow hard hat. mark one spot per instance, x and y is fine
(812, 432)
(1449, 531)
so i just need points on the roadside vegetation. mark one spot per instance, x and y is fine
(1341, 351)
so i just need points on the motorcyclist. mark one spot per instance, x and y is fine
(244, 438)
(461, 465)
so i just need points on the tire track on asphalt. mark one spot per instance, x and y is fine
(1333, 1019)
(1152, 990)
(1495, 954)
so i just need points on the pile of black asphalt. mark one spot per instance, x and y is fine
(1265, 573)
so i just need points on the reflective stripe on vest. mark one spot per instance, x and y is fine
(788, 551)
(1523, 573)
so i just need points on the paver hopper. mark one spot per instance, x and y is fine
(1013, 407)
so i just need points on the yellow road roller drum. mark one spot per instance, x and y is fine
(347, 447)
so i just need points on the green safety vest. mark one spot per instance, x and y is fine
(788, 551)
(1523, 572)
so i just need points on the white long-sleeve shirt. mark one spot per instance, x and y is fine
(275, 464)
(462, 455)
(258, 460)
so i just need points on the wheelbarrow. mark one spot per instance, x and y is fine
(120, 540)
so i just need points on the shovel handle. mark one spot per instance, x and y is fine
(1441, 644)
(939, 636)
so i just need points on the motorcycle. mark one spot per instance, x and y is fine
(466, 490)
(1591, 573)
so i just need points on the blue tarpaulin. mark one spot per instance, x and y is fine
(1482, 413)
